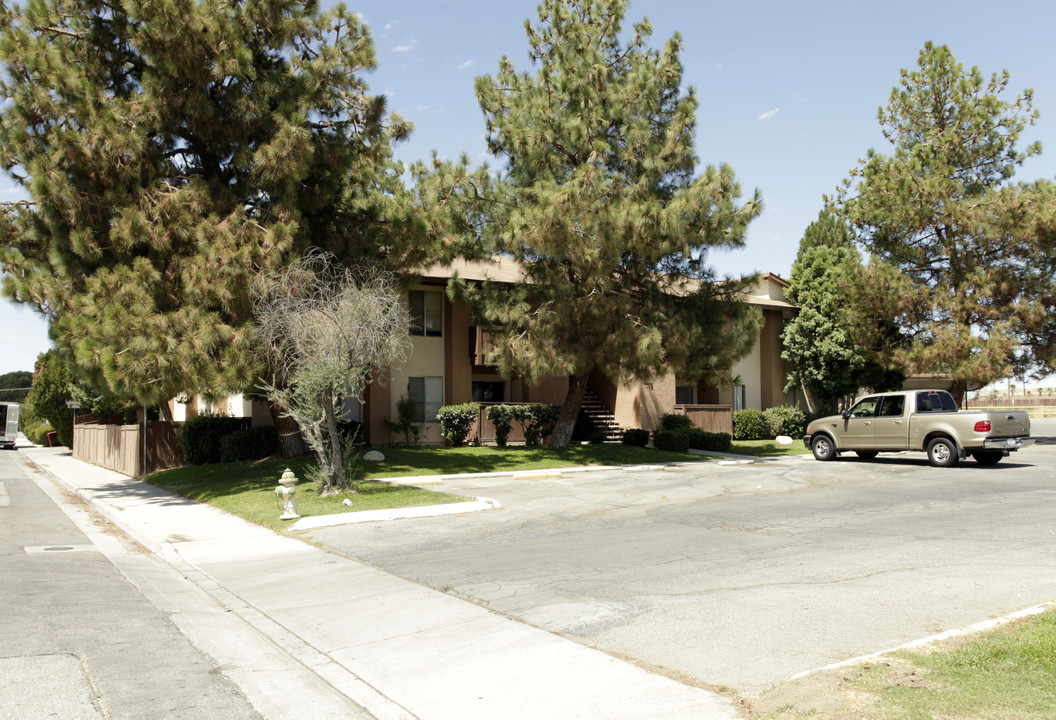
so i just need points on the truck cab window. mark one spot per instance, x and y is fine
(893, 406)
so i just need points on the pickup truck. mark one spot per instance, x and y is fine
(925, 420)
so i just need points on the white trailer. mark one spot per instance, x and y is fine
(8, 424)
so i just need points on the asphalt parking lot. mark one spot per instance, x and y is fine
(742, 575)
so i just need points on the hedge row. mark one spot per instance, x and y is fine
(537, 421)
(767, 425)
(217, 438)
(677, 433)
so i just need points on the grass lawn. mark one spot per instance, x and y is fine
(1008, 673)
(768, 448)
(247, 489)
(408, 461)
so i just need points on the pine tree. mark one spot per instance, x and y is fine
(173, 150)
(830, 344)
(961, 258)
(602, 209)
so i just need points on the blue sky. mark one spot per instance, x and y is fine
(788, 93)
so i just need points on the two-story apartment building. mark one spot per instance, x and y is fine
(446, 366)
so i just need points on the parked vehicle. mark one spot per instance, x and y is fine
(8, 424)
(926, 420)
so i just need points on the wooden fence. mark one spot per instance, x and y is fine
(120, 448)
(484, 432)
(710, 418)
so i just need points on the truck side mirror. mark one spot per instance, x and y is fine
(846, 414)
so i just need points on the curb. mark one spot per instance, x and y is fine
(365, 516)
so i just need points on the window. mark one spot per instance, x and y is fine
(865, 408)
(487, 391)
(428, 396)
(740, 397)
(426, 308)
(935, 401)
(892, 406)
(684, 394)
(351, 409)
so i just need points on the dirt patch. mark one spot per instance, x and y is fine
(832, 694)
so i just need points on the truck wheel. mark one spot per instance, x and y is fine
(866, 454)
(988, 457)
(942, 452)
(822, 447)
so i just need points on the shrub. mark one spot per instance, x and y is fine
(249, 444)
(750, 424)
(702, 440)
(671, 421)
(37, 433)
(457, 420)
(200, 437)
(636, 437)
(538, 421)
(501, 417)
(596, 437)
(405, 424)
(673, 440)
(786, 420)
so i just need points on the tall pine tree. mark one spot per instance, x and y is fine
(961, 258)
(174, 149)
(603, 210)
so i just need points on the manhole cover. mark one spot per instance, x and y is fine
(39, 549)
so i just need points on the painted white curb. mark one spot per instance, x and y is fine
(956, 632)
(310, 523)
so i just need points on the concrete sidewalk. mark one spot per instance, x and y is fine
(398, 649)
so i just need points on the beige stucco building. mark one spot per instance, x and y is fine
(446, 366)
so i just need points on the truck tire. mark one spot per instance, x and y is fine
(942, 452)
(988, 457)
(822, 447)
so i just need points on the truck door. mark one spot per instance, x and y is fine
(858, 431)
(890, 427)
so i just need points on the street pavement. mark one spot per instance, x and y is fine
(79, 640)
(610, 594)
(743, 575)
(394, 647)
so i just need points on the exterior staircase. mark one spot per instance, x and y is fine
(600, 416)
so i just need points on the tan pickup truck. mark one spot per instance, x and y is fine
(925, 420)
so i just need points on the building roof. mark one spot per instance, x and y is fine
(769, 290)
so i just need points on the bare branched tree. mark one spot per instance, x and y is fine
(328, 332)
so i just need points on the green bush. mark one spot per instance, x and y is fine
(673, 440)
(702, 440)
(200, 437)
(405, 424)
(596, 437)
(501, 417)
(538, 421)
(671, 421)
(457, 420)
(786, 420)
(750, 424)
(249, 444)
(636, 437)
(37, 433)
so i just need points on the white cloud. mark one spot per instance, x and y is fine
(466, 64)
(768, 114)
(391, 25)
(406, 47)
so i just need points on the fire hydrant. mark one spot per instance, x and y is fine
(286, 495)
